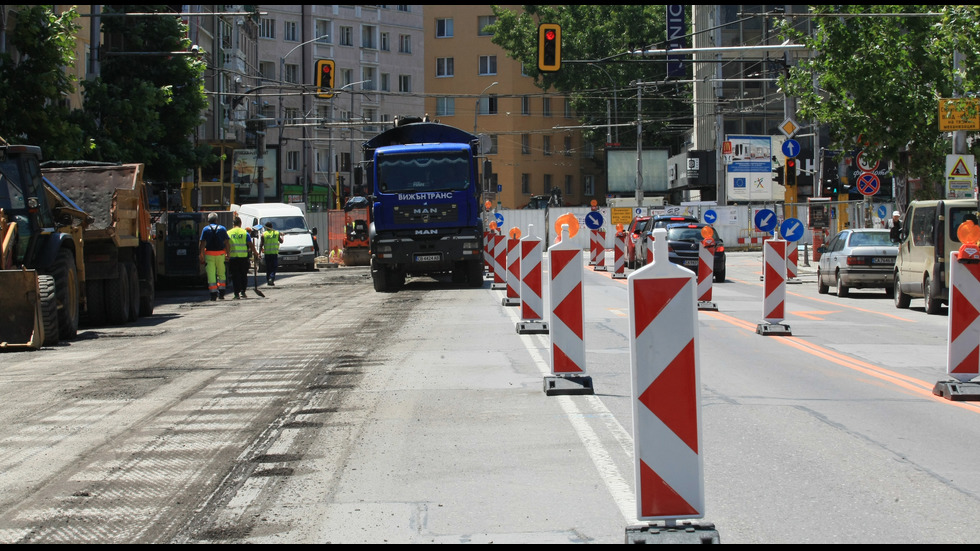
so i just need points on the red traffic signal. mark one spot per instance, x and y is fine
(324, 78)
(789, 178)
(549, 47)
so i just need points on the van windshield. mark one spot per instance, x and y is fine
(286, 224)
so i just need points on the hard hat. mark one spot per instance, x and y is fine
(896, 213)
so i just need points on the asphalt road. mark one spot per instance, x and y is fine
(327, 412)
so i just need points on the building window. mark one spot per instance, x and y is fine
(445, 107)
(525, 144)
(291, 74)
(445, 67)
(482, 22)
(267, 70)
(385, 82)
(370, 75)
(588, 185)
(444, 28)
(347, 77)
(493, 145)
(568, 108)
(546, 147)
(267, 28)
(488, 65)
(526, 183)
(291, 115)
(385, 45)
(404, 83)
(568, 146)
(404, 44)
(568, 185)
(292, 160)
(368, 33)
(488, 105)
(289, 33)
(547, 184)
(546, 107)
(346, 36)
(525, 105)
(323, 31)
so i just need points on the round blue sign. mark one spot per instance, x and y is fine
(791, 148)
(500, 219)
(710, 216)
(792, 229)
(593, 220)
(882, 212)
(766, 220)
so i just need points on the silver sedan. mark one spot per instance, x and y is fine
(856, 259)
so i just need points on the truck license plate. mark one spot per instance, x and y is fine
(690, 263)
(181, 252)
(427, 257)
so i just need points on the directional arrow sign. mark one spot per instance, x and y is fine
(710, 216)
(593, 220)
(765, 220)
(792, 229)
(882, 212)
(791, 148)
(500, 219)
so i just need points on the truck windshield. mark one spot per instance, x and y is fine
(415, 172)
(286, 224)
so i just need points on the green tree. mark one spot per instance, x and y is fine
(33, 82)
(146, 103)
(604, 34)
(879, 78)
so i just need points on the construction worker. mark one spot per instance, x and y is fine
(270, 246)
(241, 248)
(214, 249)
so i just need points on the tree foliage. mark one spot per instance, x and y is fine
(879, 79)
(146, 103)
(602, 35)
(33, 82)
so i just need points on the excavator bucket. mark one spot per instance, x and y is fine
(21, 324)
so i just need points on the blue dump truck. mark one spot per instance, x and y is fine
(425, 196)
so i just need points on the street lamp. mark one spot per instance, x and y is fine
(477, 110)
(282, 116)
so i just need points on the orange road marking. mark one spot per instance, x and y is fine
(813, 315)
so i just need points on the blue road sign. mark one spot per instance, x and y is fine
(868, 183)
(593, 220)
(791, 148)
(710, 216)
(792, 229)
(500, 219)
(766, 220)
(882, 212)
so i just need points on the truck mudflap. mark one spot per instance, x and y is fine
(21, 320)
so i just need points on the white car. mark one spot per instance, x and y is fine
(857, 258)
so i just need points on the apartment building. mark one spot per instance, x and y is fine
(471, 84)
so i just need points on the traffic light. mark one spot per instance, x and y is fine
(324, 78)
(549, 47)
(790, 177)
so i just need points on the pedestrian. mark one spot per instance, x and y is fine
(241, 249)
(895, 226)
(214, 250)
(270, 246)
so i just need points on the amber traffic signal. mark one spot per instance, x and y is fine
(324, 78)
(549, 47)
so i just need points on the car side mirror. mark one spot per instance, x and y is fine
(821, 249)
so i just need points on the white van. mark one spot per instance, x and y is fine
(927, 237)
(297, 239)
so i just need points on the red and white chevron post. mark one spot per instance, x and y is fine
(666, 395)
(600, 253)
(649, 247)
(487, 255)
(532, 299)
(619, 256)
(593, 247)
(706, 275)
(565, 294)
(963, 352)
(774, 288)
(792, 262)
(513, 255)
(499, 262)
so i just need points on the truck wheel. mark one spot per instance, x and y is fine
(148, 277)
(117, 297)
(66, 289)
(133, 278)
(379, 275)
(49, 309)
(95, 302)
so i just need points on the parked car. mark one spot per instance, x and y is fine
(683, 242)
(632, 235)
(659, 221)
(858, 258)
(927, 237)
